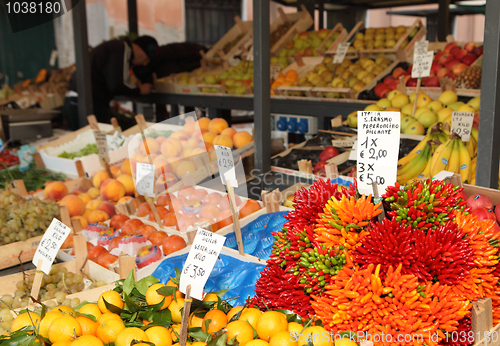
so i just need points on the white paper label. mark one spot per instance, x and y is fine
(200, 262)
(115, 141)
(353, 155)
(275, 71)
(225, 161)
(102, 145)
(343, 143)
(422, 65)
(461, 124)
(53, 57)
(341, 52)
(250, 54)
(378, 149)
(51, 242)
(145, 179)
(443, 175)
(420, 48)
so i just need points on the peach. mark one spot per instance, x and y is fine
(209, 212)
(161, 165)
(99, 177)
(171, 147)
(164, 181)
(93, 192)
(186, 152)
(128, 183)
(115, 171)
(149, 146)
(209, 137)
(97, 216)
(185, 167)
(112, 190)
(107, 207)
(192, 142)
(139, 157)
(92, 205)
(223, 140)
(85, 197)
(213, 198)
(190, 126)
(199, 134)
(55, 191)
(180, 135)
(241, 139)
(217, 125)
(230, 132)
(86, 213)
(186, 192)
(75, 205)
(174, 162)
(125, 199)
(204, 123)
(125, 167)
(161, 139)
(83, 220)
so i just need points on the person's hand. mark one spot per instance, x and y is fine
(146, 88)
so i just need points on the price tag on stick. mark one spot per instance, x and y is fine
(420, 48)
(145, 179)
(422, 65)
(200, 262)
(102, 145)
(341, 52)
(275, 71)
(225, 161)
(51, 242)
(378, 149)
(461, 124)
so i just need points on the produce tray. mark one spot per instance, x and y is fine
(401, 54)
(322, 49)
(301, 20)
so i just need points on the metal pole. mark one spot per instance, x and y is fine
(488, 149)
(133, 28)
(262, 87)
(443, 20)
(84, 82)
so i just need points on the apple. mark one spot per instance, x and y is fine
(438, 56)
(478, 51)
(412, 82)
(497, 212)
(445, 58)
(449, 65)
(431, 82)
(483, 214)
(304, 34)
(393, 84)
(454, 50)
(469, 46)
(398, 71)
(463, 194)
(459, 55)
(388, 79)
(458, 68)
(378, 88)
(436, 67)
(323, 33)
(328, 153)
(449, 46)
(468, 59)
(443, 72)
(410, 68)
(319, 168)
(496, 228)
(479, 201)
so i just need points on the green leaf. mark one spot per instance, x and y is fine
(20, 338)
(219, 340)
(113, 308)
(146, 314)
(221, 293)
(161, 318)
(79, 306)
(130, 304)
(128, 284)
(143, 284)
(197, 334)
(92, 317)
(255, 335)
(207, 323)
(167, 290)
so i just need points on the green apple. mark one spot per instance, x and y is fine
(456, 105)
(352, 119)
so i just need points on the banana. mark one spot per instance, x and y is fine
(411, 155)
(437, 152)
(472, 172)
(465, 161)
(416, 166)
(470, 147)
(443, 158)
(454, 160)
(426, 173)
(474, 133)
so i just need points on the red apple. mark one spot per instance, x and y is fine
(308, 51)
(449, 46)
(449, 65)
(443, 72)
(454, 50)
(479, 201)
(459, 55)
(409, 69)
(290, 44)
(393, 85)
(388, 79)
(438, 56)
(445, 58)
(483, 214)
(458, 68)
(496, 227)
(497, 212)
(436, 67)
(431, 82)
(398, 71)
(328, 153)
(412, 82)
(378, 88)
(468, 59)
(319, 168)
(463, 194)
(469, 46)
(478, 51)
(304, 34)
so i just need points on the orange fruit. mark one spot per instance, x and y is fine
(241, 330)
(178, 294)
(160, 336)
(283, 339)
(175, 332)
(211, 297)
(271, 323)
(109, 329)
(250, 207)
(46, 322)
(295, 328)
(233, 312)
(251, 315)
(217, 320)
(153, 297)
(112, 297)
(292, 75)
(87, 340)
(25, 319)
(257, 342)
(64, 309)
(203, 122)
(316, 334)
(89, 327)
(175, 310)
(127, 335)
(195, 321)
(199, 343)
(64, 328)
(108, 316)
(90, 309)
(62, 343)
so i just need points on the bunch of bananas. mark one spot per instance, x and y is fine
(440, 151)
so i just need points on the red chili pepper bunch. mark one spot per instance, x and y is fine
(310, 202)
(277, 289)
(424, 204)
(463, 336)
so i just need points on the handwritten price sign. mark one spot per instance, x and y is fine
(461, 124)
(422, 65)
(378, 149)
(420, 48)
(341, 52)
(102, 145)
(225, 161)
(200, 262)
(51, 242)
(145, 179)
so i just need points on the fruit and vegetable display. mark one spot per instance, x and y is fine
(89, 149)
(381, 38)
(306, 43)
(229, 45)
(236, 80)
(279, 32)
(7, 159)
(34, 178)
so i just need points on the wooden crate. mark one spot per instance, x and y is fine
(322, 49)
(301, 20)
(243, 29)
(439, 46)
(401, 54)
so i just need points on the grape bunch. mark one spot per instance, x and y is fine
(21, 219)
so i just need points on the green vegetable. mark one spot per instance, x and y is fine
(88, 150)
(155, 134)
(34, 178)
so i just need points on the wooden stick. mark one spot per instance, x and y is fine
(331, 171)
(267, 203)
(94, 125)
(376, 194)
(121, 208)
(275, 200)
(37, 281)
(240, 24)
(126, 265)
(236, 220)
(191, 235)
(37, 158)
(77, 226)
(82, 175)
(131, 206)
(155, 212)
(282, 14)
(65, 218)
(81, 254)
(185, 316)
(337, 121)
(21, 188)
(115, 124)
(419, 82)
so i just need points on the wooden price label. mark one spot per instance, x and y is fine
(422, 65)
(341, 52)
(225, 161)
(102, 145)
(343, 143)
(461, 124)
(200, 262)
(145, 179)
(378, 149)
(50, 244)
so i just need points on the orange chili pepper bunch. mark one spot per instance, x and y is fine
(344, 221)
